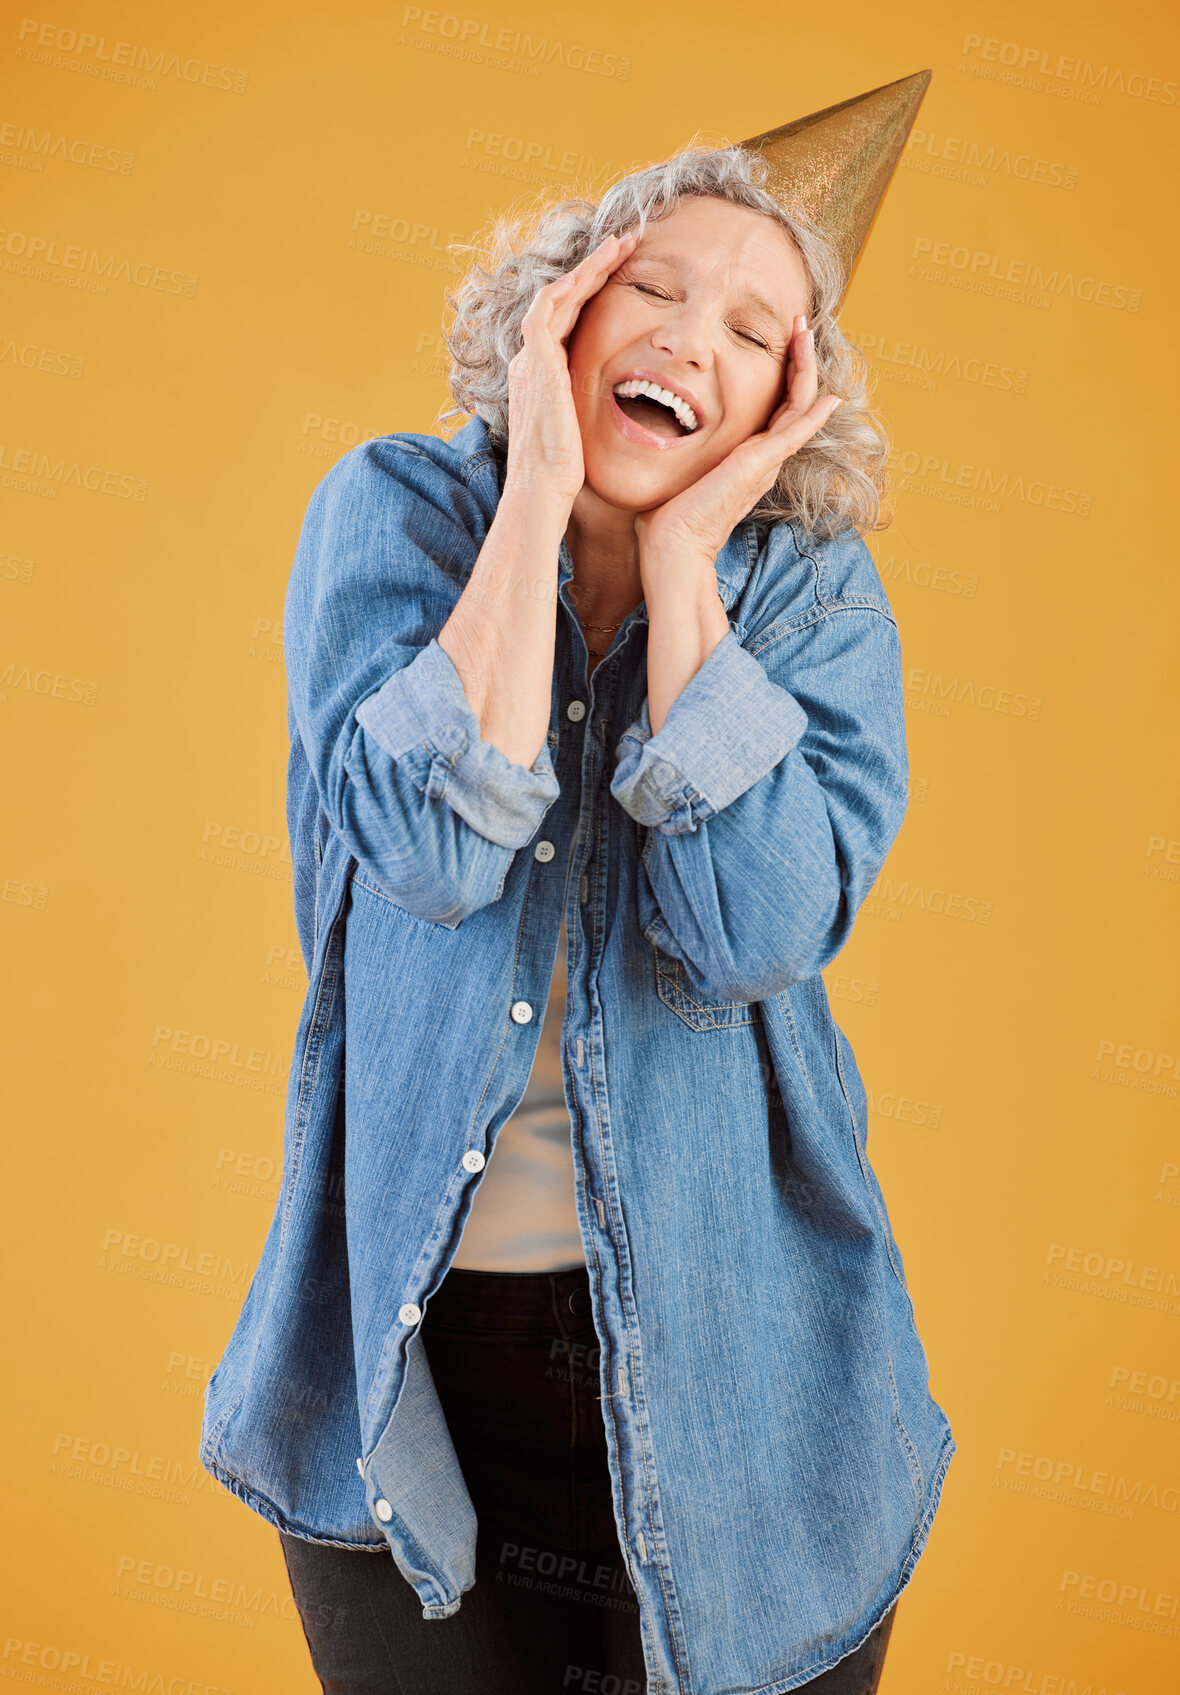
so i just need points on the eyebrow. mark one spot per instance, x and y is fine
(751, 297)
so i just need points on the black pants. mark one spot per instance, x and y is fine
(514, 1357)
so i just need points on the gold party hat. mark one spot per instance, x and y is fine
(838, 163)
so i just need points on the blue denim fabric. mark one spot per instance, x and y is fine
(776, 1455)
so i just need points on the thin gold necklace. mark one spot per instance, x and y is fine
(586, 625)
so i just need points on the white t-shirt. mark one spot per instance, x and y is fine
(523, 1217)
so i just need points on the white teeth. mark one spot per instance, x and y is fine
(653, 391)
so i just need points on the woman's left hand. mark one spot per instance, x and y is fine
(696, 523)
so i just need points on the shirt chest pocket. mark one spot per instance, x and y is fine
(674, 989)
(402, 916)
(671, 976)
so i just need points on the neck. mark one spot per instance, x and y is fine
(604, 550)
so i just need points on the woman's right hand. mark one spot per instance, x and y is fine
(544, 437)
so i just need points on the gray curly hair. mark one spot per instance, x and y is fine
(836, 479)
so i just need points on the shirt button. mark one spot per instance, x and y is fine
(576, 711)
(473, 1160)
(544, 850)
(360, 1466)
(521, 1012)
(409, 1313)
(383, 1509)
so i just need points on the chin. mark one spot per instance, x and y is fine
(631, 488)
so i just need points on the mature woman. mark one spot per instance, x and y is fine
(581, 1299)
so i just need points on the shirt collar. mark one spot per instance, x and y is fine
(733, 564)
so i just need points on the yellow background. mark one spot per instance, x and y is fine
(1009, 989)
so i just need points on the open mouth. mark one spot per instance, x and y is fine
(656, 410)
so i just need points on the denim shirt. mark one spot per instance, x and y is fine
(775, 1452)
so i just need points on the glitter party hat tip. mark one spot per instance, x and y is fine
(838, 163)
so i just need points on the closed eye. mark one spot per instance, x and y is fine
(746, 335)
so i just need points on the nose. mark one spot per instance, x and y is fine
(686, 336)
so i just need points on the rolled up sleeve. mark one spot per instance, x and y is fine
(431, 812)
(728, 727)
(771, 794)
(424, 706)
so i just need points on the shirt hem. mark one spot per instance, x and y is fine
(918, 1540)
(266, 1509)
